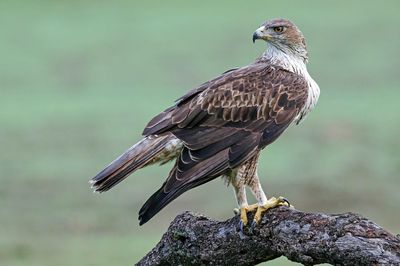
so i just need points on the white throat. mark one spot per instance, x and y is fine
(285, 58)
(288, 60)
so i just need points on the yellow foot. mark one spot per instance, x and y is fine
(271, 203)
(243, 214)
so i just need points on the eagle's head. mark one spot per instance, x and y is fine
(284, 35)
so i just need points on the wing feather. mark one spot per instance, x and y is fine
(223, 123)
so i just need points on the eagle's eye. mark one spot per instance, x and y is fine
(278, 29)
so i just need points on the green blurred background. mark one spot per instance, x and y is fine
(80, 79)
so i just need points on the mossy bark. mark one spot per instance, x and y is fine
(307, 238)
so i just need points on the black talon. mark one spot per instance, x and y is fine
(241, 226)
(253, 225)
(286, 200)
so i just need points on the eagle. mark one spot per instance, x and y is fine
(219, 128)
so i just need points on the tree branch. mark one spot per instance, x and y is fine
(308, 238)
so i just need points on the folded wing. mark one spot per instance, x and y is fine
(223, 123)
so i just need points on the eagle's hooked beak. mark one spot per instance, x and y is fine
(260, 34)
(255, 36)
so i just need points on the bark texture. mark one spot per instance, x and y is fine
(307, 238)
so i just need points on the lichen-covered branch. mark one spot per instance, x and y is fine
(308, 238)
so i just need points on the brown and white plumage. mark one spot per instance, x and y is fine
(221, 126)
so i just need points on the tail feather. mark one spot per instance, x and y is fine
(149, 150)
(200, 173)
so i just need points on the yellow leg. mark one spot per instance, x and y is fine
(271, 203)
(243, 214)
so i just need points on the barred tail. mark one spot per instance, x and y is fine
(149, 150)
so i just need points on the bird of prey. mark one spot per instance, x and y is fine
(220, 127)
